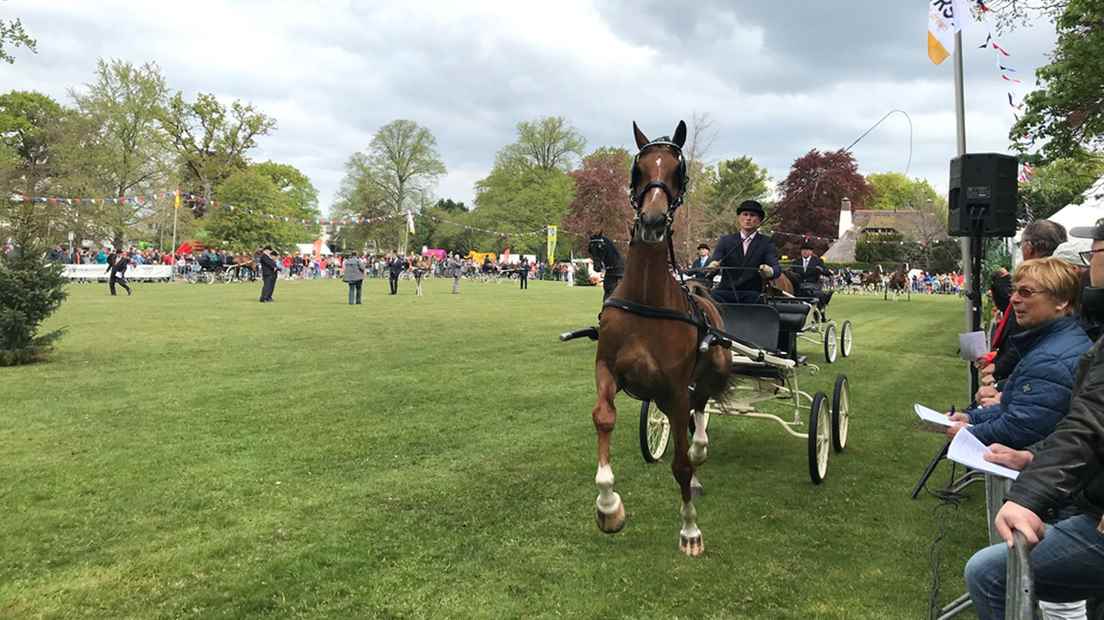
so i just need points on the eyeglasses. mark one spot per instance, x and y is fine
(1026, 292)
(1087, 255)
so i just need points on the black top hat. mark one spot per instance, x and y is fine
(1094, 232)
(753, 206)
(807, 245)
(702, 246)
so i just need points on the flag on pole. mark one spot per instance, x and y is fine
(176, 203)
(551, 244)
(945, 18)
(410, 222)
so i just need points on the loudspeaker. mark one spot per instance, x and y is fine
(983, 189)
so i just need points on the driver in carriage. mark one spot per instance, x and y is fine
(745, 258)
(807, 274)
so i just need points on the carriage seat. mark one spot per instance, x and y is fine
(792, 313)
(755, 324)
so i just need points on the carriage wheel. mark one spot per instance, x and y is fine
(830, 343)
(841, 412)
(655, 430)
(846, 338)
(819, 438)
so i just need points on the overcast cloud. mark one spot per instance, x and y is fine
(777, 77)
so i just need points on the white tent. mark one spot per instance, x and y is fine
(1086, 213)
(306, 249)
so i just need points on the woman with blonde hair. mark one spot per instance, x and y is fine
(1036, 396)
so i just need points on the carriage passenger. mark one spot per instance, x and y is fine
(745, 258)
(1036, 396)
(809, 269)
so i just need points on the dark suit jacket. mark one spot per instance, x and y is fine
(810, 274)
(397, 266)
(268, 266)
(730, 253)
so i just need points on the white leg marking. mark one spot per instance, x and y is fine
(689, 529)
(607, 501)
(699, 443)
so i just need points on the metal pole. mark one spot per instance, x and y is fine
(175, 211)
(967, 254)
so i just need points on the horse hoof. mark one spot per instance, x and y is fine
(613, 522)
(692, 547)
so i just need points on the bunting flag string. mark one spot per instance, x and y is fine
(1005, 70)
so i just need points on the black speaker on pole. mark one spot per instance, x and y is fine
(982, 196)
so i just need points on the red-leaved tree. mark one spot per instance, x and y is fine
(601, 198)
(811, 196)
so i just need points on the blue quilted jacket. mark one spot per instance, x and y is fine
(1036, 396)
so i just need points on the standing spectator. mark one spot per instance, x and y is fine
(456, 269)
(353, 275)
(268, 274)
(395, 266)
(116, 266)
(523, 272)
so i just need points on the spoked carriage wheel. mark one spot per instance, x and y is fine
(819, 438)
(830, 343)
(841, 412)
(846, 338)
(655, 430)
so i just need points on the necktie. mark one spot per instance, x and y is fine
(747, 243)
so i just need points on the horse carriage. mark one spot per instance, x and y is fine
(764, 372)
(818, 329)
(671, 346)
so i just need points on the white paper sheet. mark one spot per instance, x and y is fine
(967, 450)
(930, 415)
(972, 345)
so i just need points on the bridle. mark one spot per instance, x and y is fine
(674, 196)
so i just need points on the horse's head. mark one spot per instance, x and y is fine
(597, 247)
(659, 183)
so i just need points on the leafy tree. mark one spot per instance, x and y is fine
(601, 202)
(253, 212)
(518, 198)
(123, 104)
(738, 180)
(1058, 184)
(302, 197)
(31, 289)
(210, 139)
(449, 205)
(1067, 110)
(11, 32)
(31, 138)
(548, 143)
(811, 197)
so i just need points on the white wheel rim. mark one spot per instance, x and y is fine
(844, 413)
(823, 442)
(846, 339)
(659, 429)
(830, 343)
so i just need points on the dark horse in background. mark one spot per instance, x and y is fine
(649, 336)
(607, 260)
(898, 281)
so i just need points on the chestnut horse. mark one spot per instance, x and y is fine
(649, 335)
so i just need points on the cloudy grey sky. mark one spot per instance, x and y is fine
(777, 77)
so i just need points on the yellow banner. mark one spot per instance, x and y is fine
(551, 244)
(176, 204)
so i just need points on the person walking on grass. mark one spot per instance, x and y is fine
(268, 274)
(395, 266)
(353, 274)
(117, 264)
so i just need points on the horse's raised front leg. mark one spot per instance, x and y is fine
(699, 450)
(610, 509)
(690, 537)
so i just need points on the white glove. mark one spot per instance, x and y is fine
(766, 272)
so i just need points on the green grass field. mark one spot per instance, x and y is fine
(188, 452)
